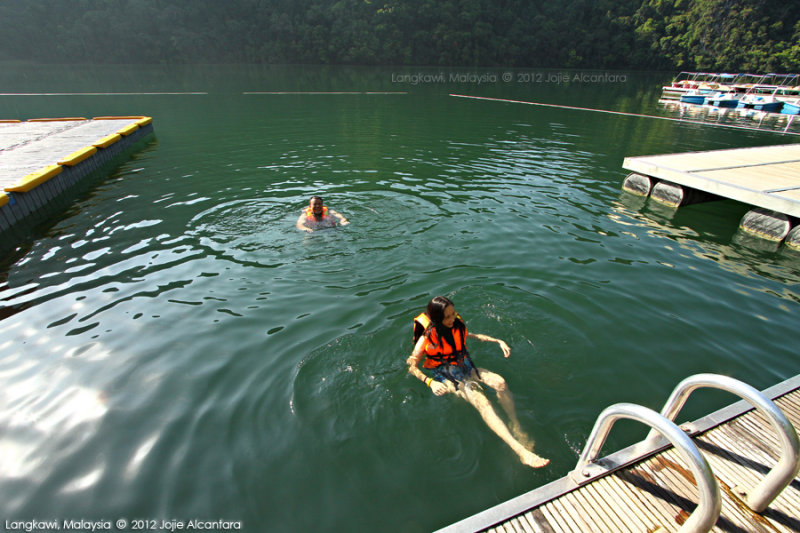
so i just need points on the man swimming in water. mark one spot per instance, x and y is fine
(317, 216)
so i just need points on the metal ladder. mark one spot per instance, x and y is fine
(589, 467)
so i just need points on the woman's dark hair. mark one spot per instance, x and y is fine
(435, 312)
(436, 308)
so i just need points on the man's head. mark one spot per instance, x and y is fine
(315, 203)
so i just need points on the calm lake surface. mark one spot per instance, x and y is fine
(173, 349)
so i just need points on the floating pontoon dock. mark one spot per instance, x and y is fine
(767, 178)
(733, 471)
(44, 163)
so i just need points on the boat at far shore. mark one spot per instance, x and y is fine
(791, 107)
(761, 92)
(724, 99)
(695, 96)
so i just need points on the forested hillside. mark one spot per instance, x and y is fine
(743, 35)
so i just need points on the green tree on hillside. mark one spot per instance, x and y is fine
(735, 35)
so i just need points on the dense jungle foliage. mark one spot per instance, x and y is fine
(732, 35)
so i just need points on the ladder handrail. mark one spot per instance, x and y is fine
(710, 503)
(789, 463)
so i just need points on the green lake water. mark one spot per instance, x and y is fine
(171, 347)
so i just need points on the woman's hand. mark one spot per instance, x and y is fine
(487, 338)
(439, 388)
(504, 347)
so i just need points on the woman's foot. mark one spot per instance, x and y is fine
(533, 460)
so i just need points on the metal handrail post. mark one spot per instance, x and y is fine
(789, 463)
(705, 515)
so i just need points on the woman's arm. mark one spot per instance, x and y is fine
(487, 338)
(413, 368)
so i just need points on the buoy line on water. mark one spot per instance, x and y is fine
(622, 113)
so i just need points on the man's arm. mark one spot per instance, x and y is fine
(301, 224)
(342, 221)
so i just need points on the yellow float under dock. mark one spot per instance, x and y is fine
(45, 162)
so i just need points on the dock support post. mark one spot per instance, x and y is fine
(639, 184)
(766, 224)
(793, 238)
(675, 195)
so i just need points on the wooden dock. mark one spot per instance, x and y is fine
(656, 492)
(767, 178)
(44, 163)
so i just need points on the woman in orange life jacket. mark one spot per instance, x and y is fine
(317, 216)
(442, 345)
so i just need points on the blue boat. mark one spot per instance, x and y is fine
(729, 99)
(770, 93)
(770, 107)
(698, 99)
(695, 97)
(791, 108)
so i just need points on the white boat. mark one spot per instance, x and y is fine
(724, 99)
(768, 97)
(686, 82)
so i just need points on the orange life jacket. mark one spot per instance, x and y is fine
(438, 351)
(311, 218)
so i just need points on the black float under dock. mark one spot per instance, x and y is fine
(735, 470)
(767, 178)
(44, 163)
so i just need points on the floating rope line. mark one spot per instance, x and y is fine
(622, 113)
(324, 92)
(97, 94)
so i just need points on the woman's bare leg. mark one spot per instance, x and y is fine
(481, 403)
(506, 399)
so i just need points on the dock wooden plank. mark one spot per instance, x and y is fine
(600, 505)
(652, 499)
(740, 458)
(731, 158)
(579, 516)
(523, 526)
(596, 510)
(774, 177)
(526, 524)
(670, 500)
(651, 514)
(766, 177)
(625, 504)
(584, 515)
(617, 506)
(790, 406)
(723, 464)
(536, 519)
(554, 519)
(572, 520)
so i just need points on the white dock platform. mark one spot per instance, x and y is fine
(45, 162)
(766, 177)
